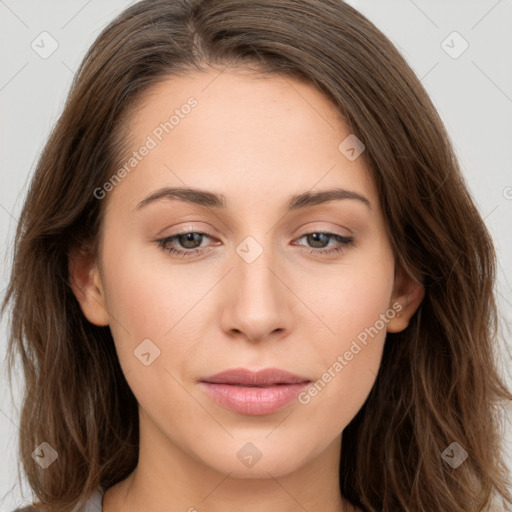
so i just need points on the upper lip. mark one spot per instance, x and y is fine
(265, 377)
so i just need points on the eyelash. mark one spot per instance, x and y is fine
(163, 243)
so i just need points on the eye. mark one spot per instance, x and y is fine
(318, 240)
(190, 240)
(190, 243)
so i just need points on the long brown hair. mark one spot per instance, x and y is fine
(438, 383)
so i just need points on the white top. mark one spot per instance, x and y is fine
(94, 503)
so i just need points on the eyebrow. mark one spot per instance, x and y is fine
(211, 200)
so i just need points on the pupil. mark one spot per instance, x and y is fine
(189, 237)
(316, 237)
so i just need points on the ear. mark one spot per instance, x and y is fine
(85, 281)
(405, 300)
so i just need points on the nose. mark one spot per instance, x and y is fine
(257, 302)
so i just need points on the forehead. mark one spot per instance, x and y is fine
(234, 97)
(251, 137)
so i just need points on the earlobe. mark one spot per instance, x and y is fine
(85, 281)
(406, 299)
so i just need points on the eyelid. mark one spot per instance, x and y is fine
(313, 229)
(185, 229)
(323, 227)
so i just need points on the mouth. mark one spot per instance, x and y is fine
(253, 393)
(263, 378)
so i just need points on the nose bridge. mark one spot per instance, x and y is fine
(258, 304)
(255, 270)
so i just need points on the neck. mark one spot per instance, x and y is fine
(172, 480)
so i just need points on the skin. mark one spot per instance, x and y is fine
(257, 141)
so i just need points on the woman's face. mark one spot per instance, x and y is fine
(263, 288)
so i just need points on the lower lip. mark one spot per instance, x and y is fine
(253, 400)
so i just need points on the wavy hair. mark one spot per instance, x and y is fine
(438, 382)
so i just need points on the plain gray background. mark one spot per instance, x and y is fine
(471, 89)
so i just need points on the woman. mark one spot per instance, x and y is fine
(325, 341)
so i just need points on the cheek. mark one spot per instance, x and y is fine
(349, 297)
(146, 298)
(349, 363)
(356, 309)
(148, 301)
(146, 290)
